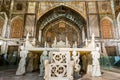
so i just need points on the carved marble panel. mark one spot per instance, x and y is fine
(31, 7)
(79, 6)
(29, 24)
(92, 7)
(1, 24)
(19, 6)
(107, 29)
(16, 27)
(44, 6)
(93, 24)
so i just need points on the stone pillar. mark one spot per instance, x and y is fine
(114, 19)
(87, 20)
(83, 35)
(6, 28)
(118, 48)
(5, 24)
(9, 20)
(118, 22)
(4, 47)
(40, 35)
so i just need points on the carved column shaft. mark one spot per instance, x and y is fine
(40, 35)
(114, 19)
(7, 35)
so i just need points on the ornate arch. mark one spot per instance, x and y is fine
(16, 27)
(107, 28)
(1, 24)
(71, 7)
(64, 13)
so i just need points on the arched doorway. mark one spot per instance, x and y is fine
(16, 27)
(61, 22)
(107, 28)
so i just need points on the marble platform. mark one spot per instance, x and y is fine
(9, 74)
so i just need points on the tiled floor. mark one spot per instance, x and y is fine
(10, 75)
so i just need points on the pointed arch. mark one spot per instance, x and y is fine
(68, 6)
(16, 27)
(107, 28)
(1, 24)
(61, 12)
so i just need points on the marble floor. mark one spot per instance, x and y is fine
(10, 75)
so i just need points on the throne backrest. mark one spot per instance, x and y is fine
(59, 65)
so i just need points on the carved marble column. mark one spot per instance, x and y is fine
(118, 48)
(5, 24)
(83, 35)
(114, 19)
(40, 35)
(4, 47)
(9, 20)
(118, 22)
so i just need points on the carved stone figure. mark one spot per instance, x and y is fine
(43, 57)
(46, 62)
(84, 63)
(67, 43)
(95, 62)
(22, 63)
(30, 62)
(28, 44)
(89, 61)
(34, 42)
(76, 60)
(36, 62)
(75, 45)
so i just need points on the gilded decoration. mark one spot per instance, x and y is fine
(16, 28)
(62, 29)
(1, 24)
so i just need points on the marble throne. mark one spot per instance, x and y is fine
(59, 66)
